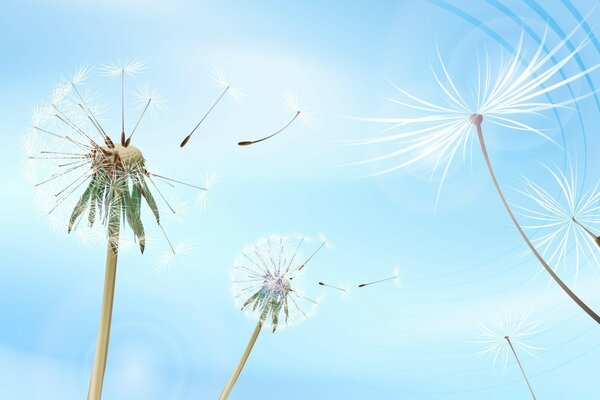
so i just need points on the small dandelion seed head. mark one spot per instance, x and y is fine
(81, 75)
(222, 81)
(181, 251)
(117, 68)
(560, 217)
(151, 97)
(267, 281)
(518, 327)
(211, 179)
(291, 103)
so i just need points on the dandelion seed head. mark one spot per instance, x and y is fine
(117, 68)
(83, 181)
(267, 281)
(182, 250)
(291, 103)
(222, 81)
(518, 327)
(210, 180)
(555, 219)
(147, 95)
(439, 132)
(81, 75)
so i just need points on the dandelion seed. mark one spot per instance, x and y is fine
(341, 289)
(395, 278)
(150, 99)
(210, 180)
(224, 83)
(131, 69)
(181, 250)
(292, 104)
(505, 338)
(443, 131)
(564, 223)
(266, 285)
(112, 178)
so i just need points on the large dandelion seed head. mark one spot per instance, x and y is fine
(508, 92)
(519, 328)
(81, 176)
(563, 224)
(267, 280)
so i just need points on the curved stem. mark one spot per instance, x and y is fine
(99, 366)
(236, 373)
(548, 269)
(249, 142)
(520, 366)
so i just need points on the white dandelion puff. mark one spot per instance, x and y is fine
(565, 223)
(291, 103)
(151, 99)
(222, 81)
(267, 285)
(210, 180)
(440, 132)
(116, 68)
(169, 258)
(81, 75)
(508, 336)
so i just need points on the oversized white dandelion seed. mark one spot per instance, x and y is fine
(222, 81)
(565, 222)
(291, 104)
(266, 283)
(79, 170)
(505, 337)
(444, 130)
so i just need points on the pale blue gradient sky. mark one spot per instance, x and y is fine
(176, 332)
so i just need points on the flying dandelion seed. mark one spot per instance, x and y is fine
(182, 249)
(291, 104)
(565, 223)
(505, 338)
(210, 180)
(395, 278)
(224, 83)
(341, 289)
(102, 183)
(266, 280)
(445, 130)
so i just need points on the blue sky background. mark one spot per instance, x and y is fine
(176, 333)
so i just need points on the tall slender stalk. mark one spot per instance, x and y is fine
(99, 366)
(238, 369)
(477, 119)
(520, 366)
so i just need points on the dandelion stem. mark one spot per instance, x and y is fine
(312, 255)
(137, 123)
(188, 137)
(123, 107)
(379, 281)
(99, 366)
(520, 366)
(249, 142)
(238, 369)
(476, 120)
